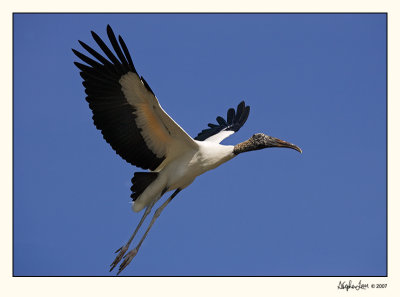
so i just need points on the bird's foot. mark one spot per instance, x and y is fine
(122, 250)
(127, 259)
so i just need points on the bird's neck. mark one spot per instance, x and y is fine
(246, 146)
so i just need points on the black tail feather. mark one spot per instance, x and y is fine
(140, 181)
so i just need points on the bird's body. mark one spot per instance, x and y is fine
(182, 170)
(186, 158)
(132, 121)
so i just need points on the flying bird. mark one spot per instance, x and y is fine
(132, 121)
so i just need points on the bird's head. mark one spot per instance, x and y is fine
(260, 141)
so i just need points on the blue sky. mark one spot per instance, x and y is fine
(317, 80)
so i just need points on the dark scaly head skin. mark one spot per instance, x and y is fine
(261, 141)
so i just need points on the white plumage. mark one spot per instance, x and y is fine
(182, 171)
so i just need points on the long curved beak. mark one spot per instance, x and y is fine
(276, 142)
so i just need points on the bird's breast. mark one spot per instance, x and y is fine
(210, 155)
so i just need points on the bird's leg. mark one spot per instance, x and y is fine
(132, 253)
(122, 250)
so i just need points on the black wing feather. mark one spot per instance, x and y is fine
(112, 114)
(117, 48)
(94, 53)
(221, 121)
(126, 52)
(230, 116)
(234, 122)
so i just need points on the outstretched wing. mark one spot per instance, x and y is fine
(234, 121)
(125, 109)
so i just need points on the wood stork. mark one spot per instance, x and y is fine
(132, 121)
